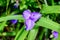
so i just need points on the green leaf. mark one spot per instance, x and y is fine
(19, 32)
(47, 23)
(18, 27)
(50, 9)
(58, 36)
(14, 12)
(32, 34)
(8, 34)
(41, 34)
(2, 3)
(12, 1)
(2, 26)
(21, 35)
(18, 17)
(7, 4)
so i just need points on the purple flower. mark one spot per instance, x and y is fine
(30, 18)
(13, 21)
(29, 24)
(16, 5)
(55, 34)
(26, 14)
(35, 16)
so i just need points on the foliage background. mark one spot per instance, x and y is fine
(50, 20)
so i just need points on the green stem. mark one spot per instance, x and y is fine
(52, 2)
(46, 3)
(7, 6)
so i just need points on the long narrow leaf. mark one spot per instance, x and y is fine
(23, 35)
(50, 9)
(32, 34)
(47, 23)
(12, 17)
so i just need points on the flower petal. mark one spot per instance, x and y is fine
(29, 24)
(16, 5)
(13, 21)
(26, 14)
(55, 34)
(35, 16)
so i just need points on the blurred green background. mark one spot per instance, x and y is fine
(50, 20)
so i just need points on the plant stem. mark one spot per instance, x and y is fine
(52, 2)
(46, 3)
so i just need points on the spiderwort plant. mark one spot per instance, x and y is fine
(55, 34)
(30, 18)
